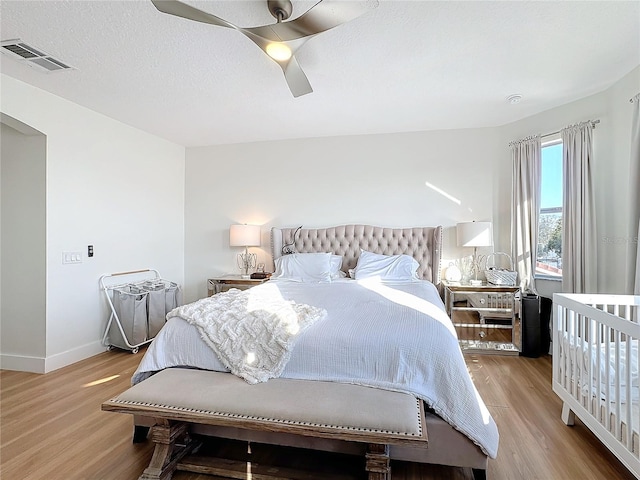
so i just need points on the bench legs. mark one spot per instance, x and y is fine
(378, 464)
(168, 452)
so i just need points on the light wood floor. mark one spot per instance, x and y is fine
(51, 426)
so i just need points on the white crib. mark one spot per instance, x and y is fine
(595, 368)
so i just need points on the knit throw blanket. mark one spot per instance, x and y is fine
(252, 331)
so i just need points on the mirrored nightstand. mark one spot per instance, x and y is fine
(485, 317)
(225, 282)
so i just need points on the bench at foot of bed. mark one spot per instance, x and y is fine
(180, 398)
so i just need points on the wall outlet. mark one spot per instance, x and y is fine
(71, 257)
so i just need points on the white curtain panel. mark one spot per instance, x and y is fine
(634, 195)
(526, 156)
(579, 239)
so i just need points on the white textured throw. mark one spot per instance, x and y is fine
(251, 331)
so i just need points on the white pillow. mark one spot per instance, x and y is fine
(304, 267)
(335, 264)
(392, 268)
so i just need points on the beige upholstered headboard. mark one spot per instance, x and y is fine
(422, 243)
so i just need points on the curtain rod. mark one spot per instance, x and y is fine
(593, 124)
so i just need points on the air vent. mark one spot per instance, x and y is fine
(33, 57)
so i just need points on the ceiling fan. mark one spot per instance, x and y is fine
(282, 39)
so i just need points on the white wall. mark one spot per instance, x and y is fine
(23, 259)
(107, 185)
(380, 179)
(612, 139)
(373, 179)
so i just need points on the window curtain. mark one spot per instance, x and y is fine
(526, 155)
(579, 239)
(634, 195)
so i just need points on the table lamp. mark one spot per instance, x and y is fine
(475, 234)
(245, 236)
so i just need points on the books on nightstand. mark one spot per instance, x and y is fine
(260, 275)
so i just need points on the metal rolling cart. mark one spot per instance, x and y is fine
(139, 301)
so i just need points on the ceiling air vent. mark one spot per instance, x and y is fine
(34, 57)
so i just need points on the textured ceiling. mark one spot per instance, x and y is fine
(404, 66)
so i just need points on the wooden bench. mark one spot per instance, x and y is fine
(178, 398)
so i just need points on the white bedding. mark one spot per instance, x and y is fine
(392, 336)
(608, 366)
(596, 402)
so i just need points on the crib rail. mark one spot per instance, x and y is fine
(596, 364)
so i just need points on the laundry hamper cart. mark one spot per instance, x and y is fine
(138, 307)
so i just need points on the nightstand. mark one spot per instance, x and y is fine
(485, 317)
(225, 282)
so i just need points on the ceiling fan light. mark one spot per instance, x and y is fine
(279, 51)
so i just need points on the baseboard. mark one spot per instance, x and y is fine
(63, 359)
(22, 363)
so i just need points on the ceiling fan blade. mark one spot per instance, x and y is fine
(295, 77)
(179, 9)
(323, 16)
(293, 74)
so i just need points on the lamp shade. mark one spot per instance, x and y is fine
(474, 234)
(244, 236)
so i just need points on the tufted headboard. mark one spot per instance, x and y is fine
(422, 243)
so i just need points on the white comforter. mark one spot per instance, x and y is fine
(392, 336)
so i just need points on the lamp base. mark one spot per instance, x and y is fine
(246, 261)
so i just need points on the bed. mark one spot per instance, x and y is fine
(361, 338)
(595, 368)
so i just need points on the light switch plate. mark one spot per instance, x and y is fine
(71, 257)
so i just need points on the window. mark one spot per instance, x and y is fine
(549, 262)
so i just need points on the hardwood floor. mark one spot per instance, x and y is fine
(51, 427)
